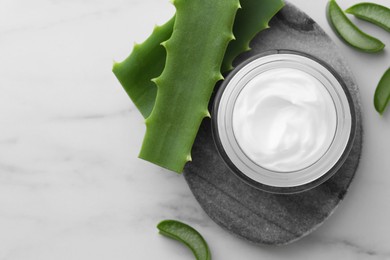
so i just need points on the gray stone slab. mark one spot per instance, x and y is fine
(252, 214)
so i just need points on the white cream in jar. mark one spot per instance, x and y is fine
(282, 122)
(284, 119)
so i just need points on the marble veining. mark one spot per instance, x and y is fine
(71, 186)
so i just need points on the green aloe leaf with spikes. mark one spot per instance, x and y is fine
(196, 50)
(147, 60)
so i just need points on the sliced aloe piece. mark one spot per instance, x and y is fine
(349, 32)
(187, 235)
(382, 93)
(374, 13)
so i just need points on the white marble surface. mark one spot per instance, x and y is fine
(71, 186)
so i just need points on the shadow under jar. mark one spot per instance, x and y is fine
(283, 123)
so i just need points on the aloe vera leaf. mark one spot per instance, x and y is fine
(251, 19)
(349, 32)
(374, 13)
(382, 93)
(146, 61)
(187, 235)
(195, 52)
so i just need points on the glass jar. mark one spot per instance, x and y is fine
(273, 175)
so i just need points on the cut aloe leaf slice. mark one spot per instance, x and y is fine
(187, 235)
(374, 13)
(382, 93)
(349, 32)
